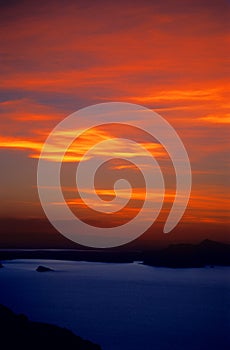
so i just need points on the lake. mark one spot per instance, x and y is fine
(124, 306)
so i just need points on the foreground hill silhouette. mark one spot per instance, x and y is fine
(17, 332)
(176, 255)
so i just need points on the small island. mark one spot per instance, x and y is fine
(41, 268)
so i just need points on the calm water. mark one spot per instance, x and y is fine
(124, 306)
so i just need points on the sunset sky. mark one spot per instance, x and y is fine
(170, 56)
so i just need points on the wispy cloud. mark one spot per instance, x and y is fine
(171, 56)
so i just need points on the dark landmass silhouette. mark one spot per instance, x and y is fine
(207, 253)
(72, 255)
(176, 255)
(17, 332)
(41, 268)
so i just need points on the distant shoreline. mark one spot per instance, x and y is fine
(70, 254)
(176, 256)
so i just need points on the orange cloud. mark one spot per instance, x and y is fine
(173, 59)
(179, 95)
(6, 142)
(217, 119)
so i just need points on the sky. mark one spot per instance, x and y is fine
(57, 57)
